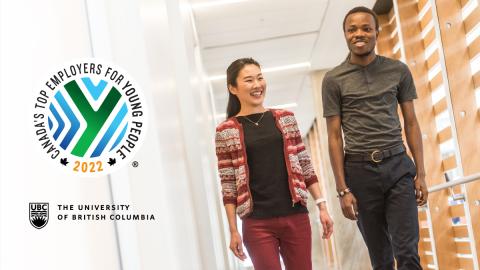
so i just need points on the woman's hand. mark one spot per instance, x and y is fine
(327, 222)
(236, 245)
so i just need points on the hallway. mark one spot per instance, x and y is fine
(177, 51)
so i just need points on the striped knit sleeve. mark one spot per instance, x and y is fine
(226, 169)
(304, 159)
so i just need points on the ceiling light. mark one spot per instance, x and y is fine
(215, 3)
(267, 70)
(293, 66)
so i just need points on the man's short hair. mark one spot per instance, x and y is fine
(363, 10)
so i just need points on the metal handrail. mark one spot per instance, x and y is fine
(463, 180)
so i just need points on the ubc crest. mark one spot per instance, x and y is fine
(38, 213)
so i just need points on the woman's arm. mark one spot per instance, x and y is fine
(235, 238)
(311, 181)
(327, 222)
(229, 192)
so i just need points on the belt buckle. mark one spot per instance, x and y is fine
(372, 156)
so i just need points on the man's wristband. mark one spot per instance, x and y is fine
(342, 193)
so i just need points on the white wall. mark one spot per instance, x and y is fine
(35, 37)
(155, 42)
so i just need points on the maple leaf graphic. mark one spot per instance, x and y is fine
(111, 161)
(64, 161)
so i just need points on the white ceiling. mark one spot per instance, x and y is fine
(275, 33)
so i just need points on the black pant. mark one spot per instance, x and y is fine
(388, 215)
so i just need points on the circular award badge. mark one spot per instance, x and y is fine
(90, 117)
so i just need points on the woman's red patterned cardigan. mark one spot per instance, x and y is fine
(233, 166)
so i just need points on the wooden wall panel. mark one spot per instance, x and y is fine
(476, 79)
(463, 2)
(385, 43)
(466, 264)
(444, 135)
(433, 60)
(457, 60)
(474, 48)
(421, 4)
(429, 38)
(438, 202)
(427, 18)
(471, 20)
(440, 106)
(436, 81)
(449, 163)
(457, 210)
(464, 248)
(444, 240)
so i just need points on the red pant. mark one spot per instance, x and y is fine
(289, 236)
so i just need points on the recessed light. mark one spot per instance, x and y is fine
(268, 70)
(215, 3)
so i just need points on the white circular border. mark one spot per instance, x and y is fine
(104, 157)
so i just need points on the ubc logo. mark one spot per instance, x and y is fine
(89, 117)
(38, 213)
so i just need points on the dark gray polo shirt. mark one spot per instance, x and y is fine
(367, 99)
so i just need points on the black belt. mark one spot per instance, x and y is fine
(376, 156)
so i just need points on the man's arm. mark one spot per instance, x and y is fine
(414, 141)
(335, 149)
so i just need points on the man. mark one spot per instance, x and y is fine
(378, 184)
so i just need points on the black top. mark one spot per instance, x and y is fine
(267, 169)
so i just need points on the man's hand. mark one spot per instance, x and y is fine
(421, 191)
(236, 245)
(327, 223)
(349, 206)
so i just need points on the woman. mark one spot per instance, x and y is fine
(265, 172)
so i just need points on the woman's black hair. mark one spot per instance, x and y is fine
(363, 10)
(233, 106)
